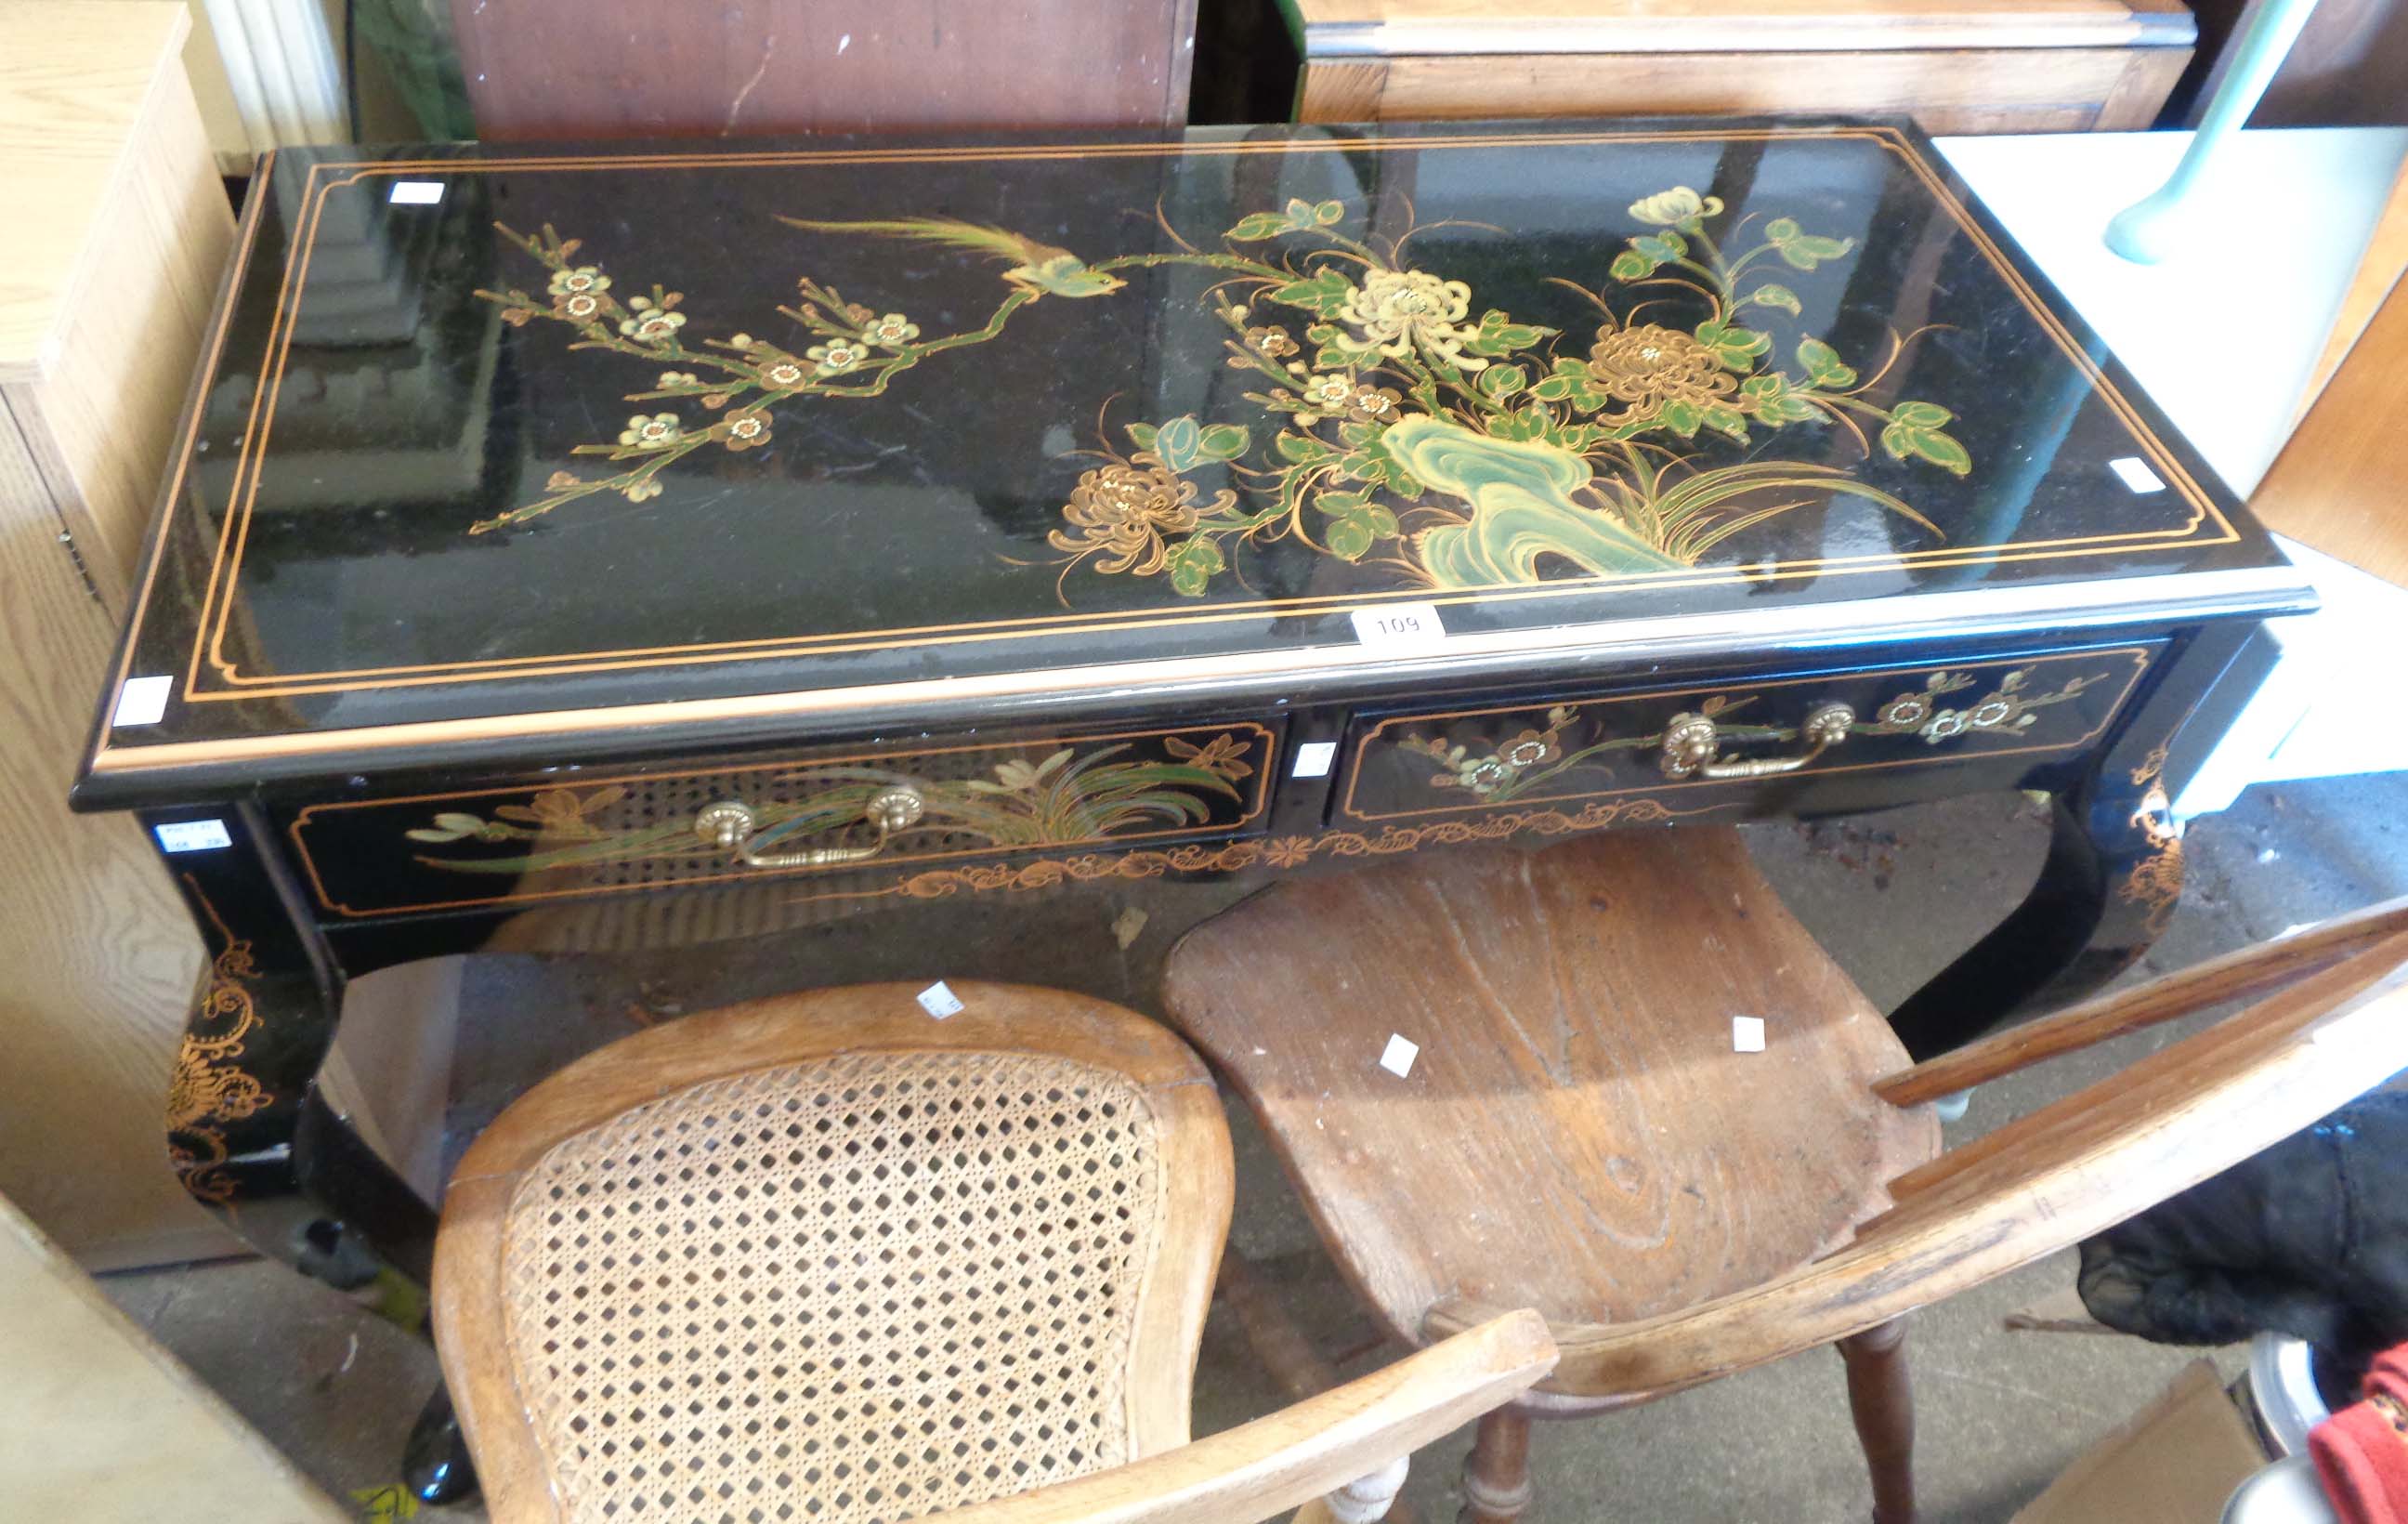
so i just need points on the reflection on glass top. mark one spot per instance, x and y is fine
(486, 417)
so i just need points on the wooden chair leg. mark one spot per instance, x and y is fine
(1882, 1399)
(1496, 1474)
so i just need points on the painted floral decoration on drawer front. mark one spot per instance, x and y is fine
(2008, 706)
(1410, 427)
(1063, 798)
(1573, 737)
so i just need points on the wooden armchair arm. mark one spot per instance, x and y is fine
(2069, 1171)
(2235, 976)
(1300, 1453)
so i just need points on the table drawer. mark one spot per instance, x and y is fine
(1712, 741)
(829, 811)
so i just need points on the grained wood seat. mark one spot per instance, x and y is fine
(1577, 1133)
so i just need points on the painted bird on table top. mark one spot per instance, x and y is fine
(1040, 269)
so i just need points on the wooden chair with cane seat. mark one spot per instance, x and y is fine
(821, 1256)
(1579, 1135)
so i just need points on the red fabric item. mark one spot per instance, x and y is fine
(2361, 1452)
(2388, 1375)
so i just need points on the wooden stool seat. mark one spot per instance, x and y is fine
(1577, 1133)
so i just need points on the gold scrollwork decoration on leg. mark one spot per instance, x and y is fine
(209, 1088)
(2156, 881)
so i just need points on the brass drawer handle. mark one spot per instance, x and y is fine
(731, 826)
(1691, 742)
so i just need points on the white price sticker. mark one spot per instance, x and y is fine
(939, 1001)
(1313, 759)
(416, 192)
(2136, 474)
(192, 836)
(1401, 1052)
(1399, 625)
(143, 700)
(1747, 1034)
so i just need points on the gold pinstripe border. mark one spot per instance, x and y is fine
(221, 591)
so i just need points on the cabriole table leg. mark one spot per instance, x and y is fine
(251, 1139)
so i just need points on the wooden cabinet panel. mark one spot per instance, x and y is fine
(1975, 91)
(118, 229)
(1978, 65)
(566, 69)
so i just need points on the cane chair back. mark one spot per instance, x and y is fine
(821, 1256)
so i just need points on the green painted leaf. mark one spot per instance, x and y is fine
(1338, 504)
(449, 826)
(1373, 463)
(1780, 296)
(1781, 229)
(1322, 293)
(1329, 212)
(1141, 435)
(1299, 212)
(1660, 248)
(1333, 357)
(1823, 364)
(1348, 540)
(1255, 227)
(1532, 423)
(1176, 442)
(1631, 264)
(1223, 441)
(1304, 449)
(1500, 335)
(1682, 418)
(1502, 382)
(1920, 414)
(1904, 439)
(1734, 348)
(1193, 563)
(1351, 537)
(1768, 396)
(1807, 250)
(1572, 384)
(1725, 419)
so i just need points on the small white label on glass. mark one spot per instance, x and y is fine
(1401, 1052)
(416, 192)
(143, 700)
(1313, 759)
(1399, 625)
(1747, 1034)
(192, 836)
(939, 1001)
(2136, 474)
